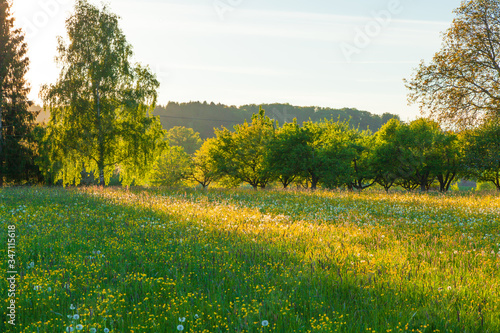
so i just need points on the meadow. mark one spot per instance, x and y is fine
(186, 260)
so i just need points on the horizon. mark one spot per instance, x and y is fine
(324, 54)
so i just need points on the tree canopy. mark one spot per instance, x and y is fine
(17, 146)
(101, 106)
(461, 85)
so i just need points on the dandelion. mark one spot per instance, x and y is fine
(180, 328)
(106, 330)
(79, 327)
(265, 323)
(449, 288)
(76, 317)
(182, 319)
(93, 330)
(70, 316)
(49, 289)
(37, 288)
(196, 316)
(69, 329)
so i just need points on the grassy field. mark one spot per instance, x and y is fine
(93, 260)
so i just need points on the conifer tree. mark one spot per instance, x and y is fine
(16, 121)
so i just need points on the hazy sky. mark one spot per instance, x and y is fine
(332, 53)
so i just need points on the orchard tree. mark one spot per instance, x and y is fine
(203, 168)
(385, 154)
(171, 168)
(101, 106)
(449, 159)
(287, 155)
(241, 155)
(363, 171)
(482, 153)
(330, 152)
(418, 156)
(461, 85)
(16, 121)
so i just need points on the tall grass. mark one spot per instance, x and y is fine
(247, 261)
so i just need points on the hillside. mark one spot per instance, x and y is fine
(204, 117)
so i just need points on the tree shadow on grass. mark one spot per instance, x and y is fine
(163, 266)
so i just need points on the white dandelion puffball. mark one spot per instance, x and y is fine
(180, 328)
(265, 323)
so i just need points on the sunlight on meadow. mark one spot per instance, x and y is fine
(94, 260)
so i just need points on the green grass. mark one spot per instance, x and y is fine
(231, 260)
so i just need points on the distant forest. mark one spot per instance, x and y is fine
(204, 117)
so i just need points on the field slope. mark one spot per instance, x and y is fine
(246, 261)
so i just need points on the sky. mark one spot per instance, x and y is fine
(327, 53)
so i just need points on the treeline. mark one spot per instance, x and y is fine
(204, 117)
(331, 154)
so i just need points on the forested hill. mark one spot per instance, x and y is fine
(203, 117)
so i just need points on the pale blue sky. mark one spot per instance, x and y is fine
(255, 51)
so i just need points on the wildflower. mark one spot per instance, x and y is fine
(180, 328)
(72, 307)
(196, 316)
(76, 317)
(37, 288)
(449, 288)
(106, 330)
(265, 323)
(49, 289)
(69, 329)
(182, 319)
(93, 330)
(79, 327)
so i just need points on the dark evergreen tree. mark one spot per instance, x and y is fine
(16, 121)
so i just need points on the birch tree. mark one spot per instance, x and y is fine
(101, 105)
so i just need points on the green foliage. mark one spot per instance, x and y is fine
(286, 157)
(241, 154)
(482, 153)
(486, 186)
(171, 168)
(362, 165)
(17, 144)
(100, 107)
(330, 152)
(204, 169)
(184, 137)
(460, 85)
(385, 153)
